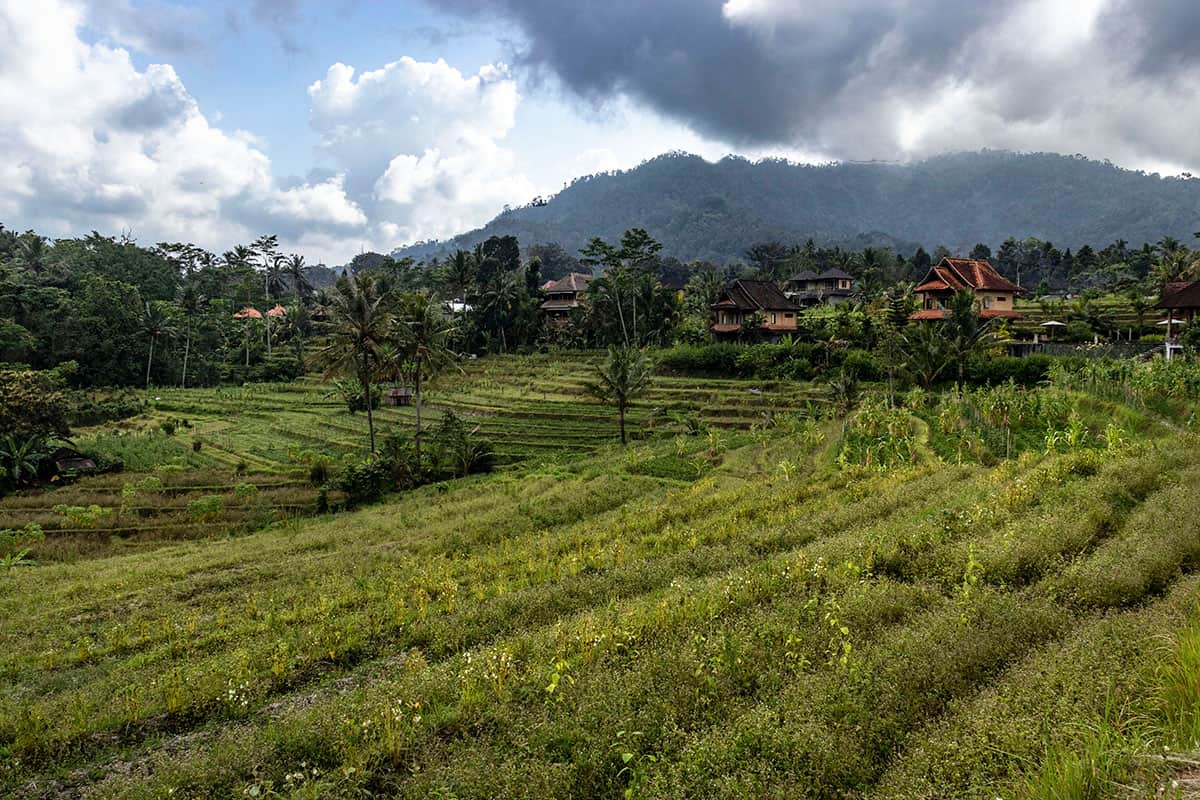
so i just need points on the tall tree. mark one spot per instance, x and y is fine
(191, 303)
(358, 323)
(155, 324)
(297, 275)
(422, 334)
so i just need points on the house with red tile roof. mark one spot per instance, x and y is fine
(743, 301)
(994, 293)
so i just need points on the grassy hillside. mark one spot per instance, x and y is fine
(737, 614)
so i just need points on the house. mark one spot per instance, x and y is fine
(994, 293)
(741, 300)
(1180, 301)
(565, 295)
(832, 287)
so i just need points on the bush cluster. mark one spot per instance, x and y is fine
(449, 450)
(783, 361)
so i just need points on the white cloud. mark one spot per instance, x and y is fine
(421, 143)
(116, 148)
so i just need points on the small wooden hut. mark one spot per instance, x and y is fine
(398, 396)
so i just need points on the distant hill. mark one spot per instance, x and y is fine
(700, 210)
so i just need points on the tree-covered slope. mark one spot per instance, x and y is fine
(715, 211)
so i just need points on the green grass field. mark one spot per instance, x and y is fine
(736, 614)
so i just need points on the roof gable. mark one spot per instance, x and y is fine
(1180, 295)
(754, 296)
(952, 274)
(571, 282)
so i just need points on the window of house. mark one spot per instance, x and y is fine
(999, 299)
(987, 301)
(788, 315)
(772, 318)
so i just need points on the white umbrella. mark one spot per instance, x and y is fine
(1054, 324)
(1172, 322)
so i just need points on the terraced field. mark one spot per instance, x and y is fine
(256, 445)
(773, 625)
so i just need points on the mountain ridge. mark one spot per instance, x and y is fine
(715, 210)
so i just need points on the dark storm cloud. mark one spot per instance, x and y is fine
(838, 76)
(762, 80)
(1160, 35)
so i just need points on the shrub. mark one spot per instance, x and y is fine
(88, 409)
(15, 544)
(32, 403)
(771, 361)
(204, 509)
(860, 363)
(703, 360)
(1028, 371)
(350, 390)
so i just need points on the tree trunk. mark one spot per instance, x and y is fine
(150, 360)
(364, 377)
(247, 343)
(621, 417)
(268, 319)
(417, 396)
(187, 346)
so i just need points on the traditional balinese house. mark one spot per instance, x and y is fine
(1181, 301)
(565, 295)
(994, 294)
(832, 287)
(744, 301)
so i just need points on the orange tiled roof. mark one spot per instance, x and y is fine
(952, 274)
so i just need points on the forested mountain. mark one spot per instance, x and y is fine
(700, 210)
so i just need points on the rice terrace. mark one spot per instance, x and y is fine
(593, 400)
(877, 605)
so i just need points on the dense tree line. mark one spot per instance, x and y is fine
(175, 314)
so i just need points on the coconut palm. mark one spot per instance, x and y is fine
(620, 380)
(422, 334)
(191, 303)
(297, 275)
(966, 331)
(32, 253)
(155, 324)
(499, 298)
(357, 325)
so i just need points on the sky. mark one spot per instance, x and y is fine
(351, 125)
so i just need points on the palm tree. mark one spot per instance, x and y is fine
(499, 298)
(422, 334)
(966, 331)
(357, 326)
(923, 346)
(155, 324)
(191, 303)
(621, 380)
(297, 275)
(32, 253)
(460, 274)
(276, 276)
